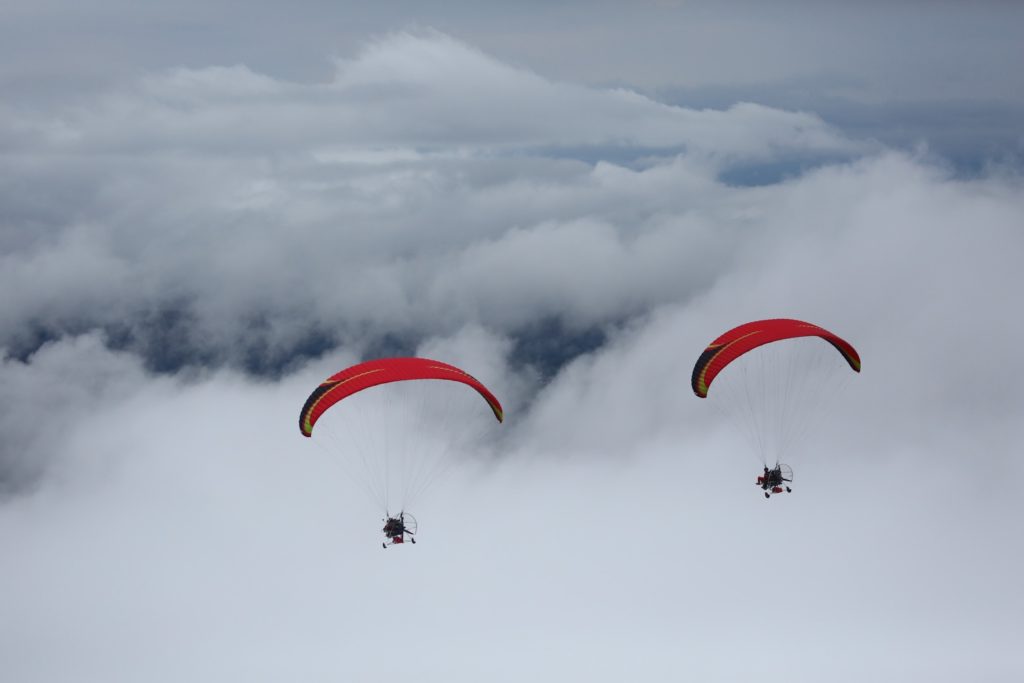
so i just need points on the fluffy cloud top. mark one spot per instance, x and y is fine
(188, 257)
(252, 219)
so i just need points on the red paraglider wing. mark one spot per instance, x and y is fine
(382, 371)
(749, 336)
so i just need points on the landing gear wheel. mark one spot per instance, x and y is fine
(413, 540)
(384, 545)
(767, 495)
(789, 490)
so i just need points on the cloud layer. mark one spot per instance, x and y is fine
(189, 254)
(250, 219)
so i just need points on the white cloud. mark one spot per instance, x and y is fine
(419, 90)
(203, 537)
(241, 201)
(426, 191)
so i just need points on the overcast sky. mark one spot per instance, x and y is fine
(206, 209)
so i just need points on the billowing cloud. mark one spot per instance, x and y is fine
(252, 219)
(187, 256)
(415, 90)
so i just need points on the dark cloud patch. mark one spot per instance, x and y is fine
(971, 134)
(21, 471)
(757, 175)
(168, 341)
(268, 361)
(391, 346)
(165, 337)
(547, 345)
(30, 338)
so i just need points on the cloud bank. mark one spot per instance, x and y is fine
(251, 219)
(189, 255)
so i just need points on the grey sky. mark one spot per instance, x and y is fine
(909, 73)
(908, 49)
(207, 209)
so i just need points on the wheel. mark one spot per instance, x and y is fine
(413, 540)
(384, 545)
(789, 490)
(767, 495)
